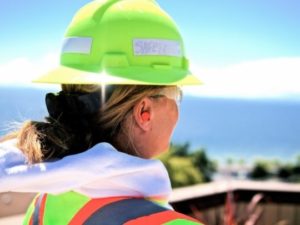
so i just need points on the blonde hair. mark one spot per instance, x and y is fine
(53, 139)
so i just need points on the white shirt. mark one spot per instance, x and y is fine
(101, 171)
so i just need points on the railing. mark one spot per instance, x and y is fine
(240, 203)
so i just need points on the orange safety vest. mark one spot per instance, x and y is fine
(75, 209)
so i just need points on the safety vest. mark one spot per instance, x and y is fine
(75, 209)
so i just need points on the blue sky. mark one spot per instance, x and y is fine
(223, 39)
(232, 31)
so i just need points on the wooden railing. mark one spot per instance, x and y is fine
(240, 203)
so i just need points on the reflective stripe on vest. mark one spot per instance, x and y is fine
(38, 213)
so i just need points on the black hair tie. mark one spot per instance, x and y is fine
(72, 104)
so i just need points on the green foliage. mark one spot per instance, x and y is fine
(260, 170)
(203, 164)
(296, 169)
(289, 172)
(182, 172)
(181, 150)
(284, 172)
(187, 167)
(269, 168)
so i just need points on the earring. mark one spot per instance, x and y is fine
(145, 116)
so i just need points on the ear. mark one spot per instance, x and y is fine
(143, 114)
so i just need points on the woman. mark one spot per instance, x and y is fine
(121, 64)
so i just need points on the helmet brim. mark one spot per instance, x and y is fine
(67, 75)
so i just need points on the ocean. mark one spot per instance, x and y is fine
(225, 128)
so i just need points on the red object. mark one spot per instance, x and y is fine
(145, 116)
(160, 218)
(229, 209)
(39, 203)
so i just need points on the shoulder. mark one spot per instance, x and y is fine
(10, 155)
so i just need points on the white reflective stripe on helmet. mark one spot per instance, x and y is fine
(157, 47)
(77, 45)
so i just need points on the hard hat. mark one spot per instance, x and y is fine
(122, 42)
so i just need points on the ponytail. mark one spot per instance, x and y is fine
(77, 120)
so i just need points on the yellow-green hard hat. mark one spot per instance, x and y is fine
(122, 42)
